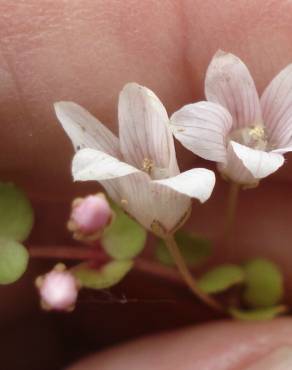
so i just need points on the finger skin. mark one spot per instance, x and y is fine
(220, 346)
(85, 52)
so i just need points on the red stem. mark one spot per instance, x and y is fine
(85, 253)
(158, 270)
(63, 252)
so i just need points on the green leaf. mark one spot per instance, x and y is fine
(125, 238)
(266, 313)
(194, 249)
(13, 260)
(16, 214)
(110, 274)
(264, 284)
(221, 278)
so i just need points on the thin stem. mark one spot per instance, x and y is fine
(156, 269)
(76, 253)
(187, 276)
(62, 252)
(230, 213)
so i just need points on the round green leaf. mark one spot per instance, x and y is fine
(221, 278)
(16, 214)
(264, 284)
(194, 249)
(13, 260)
(266, 313)
(107, 276)
(125, 238)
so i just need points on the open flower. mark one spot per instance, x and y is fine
(244, 134)
(139, 170)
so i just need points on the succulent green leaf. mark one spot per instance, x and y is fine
(13, 260)
(266, 313)
(221, 278)
(125, 238)
(194, 249)
(107, 276)
(16, 213)
(264, 284)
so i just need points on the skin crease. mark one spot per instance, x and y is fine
(85, 51)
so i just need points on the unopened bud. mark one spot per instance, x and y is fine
(58, 289)
(89, 217)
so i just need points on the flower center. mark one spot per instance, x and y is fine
(147, 165)
(156, 173)
(252, 136)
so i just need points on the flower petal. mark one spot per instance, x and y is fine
(202, 128)
(196, 183)
(84, 130)
(276, 103)
(259, 163)
(90, 164)
(144, 132)
(235, 170)
(229, 83)
(149, 202)
(283, 150)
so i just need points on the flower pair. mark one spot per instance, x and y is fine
(245, 135)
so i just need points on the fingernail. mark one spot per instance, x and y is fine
(279, 359)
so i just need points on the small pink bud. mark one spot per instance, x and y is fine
(89, 217)
(58, 289)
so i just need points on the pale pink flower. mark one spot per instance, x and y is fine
(58, 289)
(244, 134)
(89, 217)
(139, 170)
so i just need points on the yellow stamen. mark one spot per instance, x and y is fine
(147, 165)
(257, 133)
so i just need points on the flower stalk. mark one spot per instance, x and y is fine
(80, 253)
(71, 253)
(187, 276)
(230, 212)
(63, 252)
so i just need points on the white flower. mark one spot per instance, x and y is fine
(244, 134)
(139, 170)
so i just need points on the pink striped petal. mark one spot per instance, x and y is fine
(144, 132)
(229, 83)
(276, 103)
(197, 183)
(259, 164)
(235, 170)
(89, 164)
(150, 202)
(84, 130)
(283, 150)
(202, 128)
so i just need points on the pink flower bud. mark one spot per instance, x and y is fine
(89, 217)
(58, 289)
